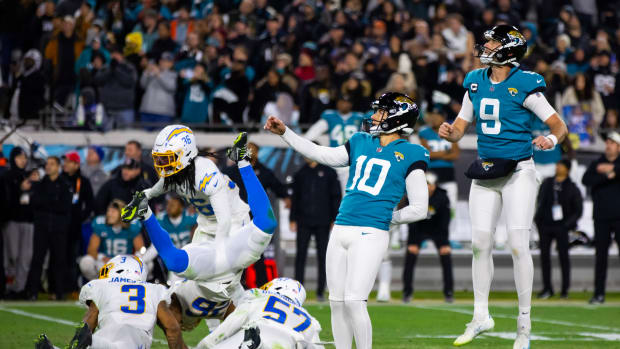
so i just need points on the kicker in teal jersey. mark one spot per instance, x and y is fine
(341, 127)
(377, 179)
(503, 125)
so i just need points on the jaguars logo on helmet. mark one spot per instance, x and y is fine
(401, 114)
(511, 49)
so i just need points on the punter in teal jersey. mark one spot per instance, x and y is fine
(383, 167)
(111, 237)
(504, 101)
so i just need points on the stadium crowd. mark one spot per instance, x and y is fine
(110, 64)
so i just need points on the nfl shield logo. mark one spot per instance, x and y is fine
(379, 150)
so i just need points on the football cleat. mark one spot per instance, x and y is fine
(43, 342)
(251, 339)
(239, 149)
(383, 295)
(137, 208)
(82, 338)
(524, 327)
(473, 329)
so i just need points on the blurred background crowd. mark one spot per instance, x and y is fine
(119, 63)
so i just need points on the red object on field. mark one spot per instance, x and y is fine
(250, 273)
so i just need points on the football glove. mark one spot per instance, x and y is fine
(239, 149)
(137, 208)
(43, 342)
(82, 338)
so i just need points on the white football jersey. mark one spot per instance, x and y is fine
(202, 300)
(125, 306)
(267, 309)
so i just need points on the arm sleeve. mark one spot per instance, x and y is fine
(228, 327)
(336, 157)
(156, 190)
(417, 194)
(538, 104)
(467, 109)
(316, 130)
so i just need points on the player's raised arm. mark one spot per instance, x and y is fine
(170, 326)
(331, 156)
(455, 131)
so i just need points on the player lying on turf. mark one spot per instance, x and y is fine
(209, 261)
(269, 317)
(382, 168)
(122, 310)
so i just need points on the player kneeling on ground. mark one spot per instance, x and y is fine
(123, 309)
(269, 317)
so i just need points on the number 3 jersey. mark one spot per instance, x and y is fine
(125, 304)
(503, 124)
(377, 179)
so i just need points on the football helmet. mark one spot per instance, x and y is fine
(290, 289)
(511, 49)
(401, 114)
(126, 266)
(174, 149)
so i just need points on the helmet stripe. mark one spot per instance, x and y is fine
(177, 131)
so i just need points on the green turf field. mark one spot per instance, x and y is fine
(425, 323)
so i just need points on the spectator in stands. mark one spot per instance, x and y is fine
(459, 40)
(19, 230)
(611, 120)
(266, 91)
(604, 78)
(121, 186)
(117, 91)
(435, 227)
(93, 169)
(314, 206)
(506, 13)
(133, 150)
(148, 29)
(63, 50)
(581, 93)
(317, 96)
(603, 178)
(52, 217)
(110, 238)
(559, 208)
(164, 42)
(160, 83)
(233, 98)
(578, 63)
(182, 26)
(82, 206)
(197, 93)
(29, 87)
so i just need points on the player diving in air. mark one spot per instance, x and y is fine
(270, 317)
(503, 100)
(382, 168)
(122, 310)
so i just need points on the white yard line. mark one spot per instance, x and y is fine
(53, 319)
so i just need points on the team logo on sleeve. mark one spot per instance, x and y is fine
(474, 88)
(399, 156)
(486, 165)
(513, 91)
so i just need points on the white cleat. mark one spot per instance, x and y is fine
(383, 294)
(473, 329)
(524, 327)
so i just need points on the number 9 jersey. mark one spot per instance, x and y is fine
(127, 310)
(503, 124)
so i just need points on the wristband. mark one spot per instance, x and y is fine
(553, 139)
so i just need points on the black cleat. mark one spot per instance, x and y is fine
(137, 208)
(251, 339)
(597, 299)
(239, 149)
(545, 294)
(43, 342)
(82, 338)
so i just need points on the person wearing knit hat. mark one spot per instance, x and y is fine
(93, 168)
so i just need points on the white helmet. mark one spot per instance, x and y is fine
(125, 266)
(174, 149)
(289, 288)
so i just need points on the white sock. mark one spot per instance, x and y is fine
(482, 272)
(523, 267)
(362, 328)
(385, 272)
(243, 163)
(341, 325)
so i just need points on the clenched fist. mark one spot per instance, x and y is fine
(275, 125)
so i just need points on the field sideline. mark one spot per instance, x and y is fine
(425, 323)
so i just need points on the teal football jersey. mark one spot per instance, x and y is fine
(341, 129)
(115, 242)
(377, 179)
(551, 156)
(436, 143)
(180, 233)
(503, 125)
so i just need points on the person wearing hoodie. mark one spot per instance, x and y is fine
(19, 229)
(93, 170)
(160, 83)
(122, 186)
(82, 206)
(29, 87)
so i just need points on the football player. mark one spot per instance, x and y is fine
(382, 168)
(123, 309)
(209, 261)
(270, 317)
(503, 100)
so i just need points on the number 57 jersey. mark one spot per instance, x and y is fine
(127, 310)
